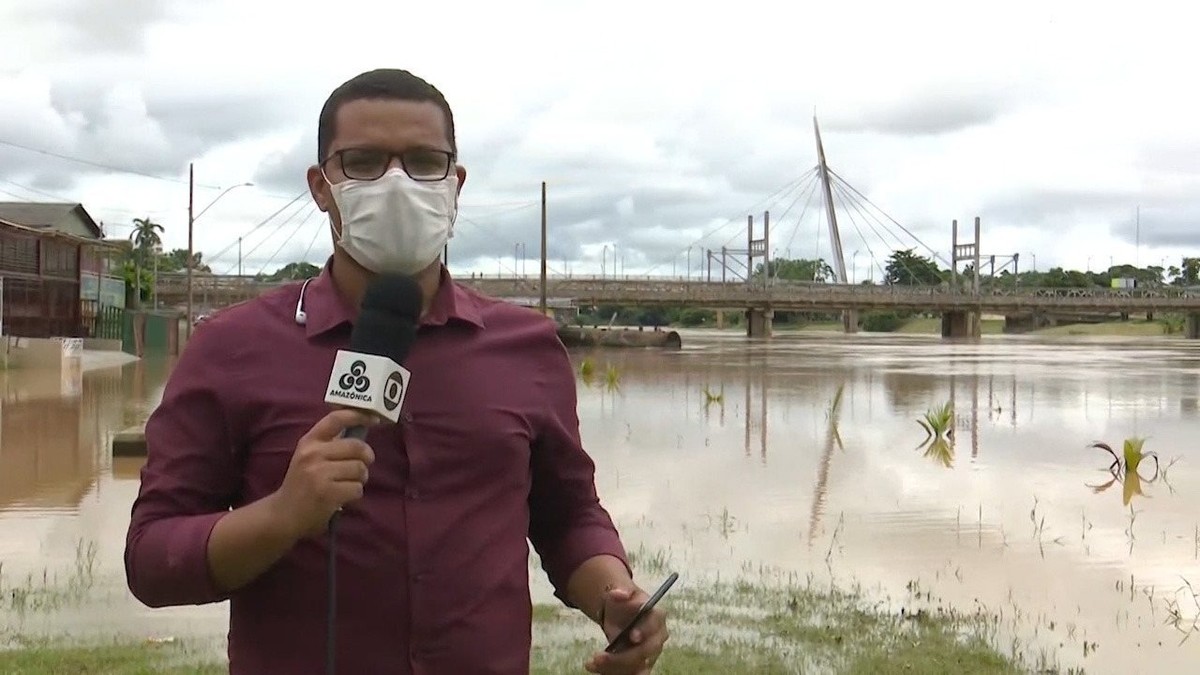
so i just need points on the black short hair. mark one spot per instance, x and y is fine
(382, 83)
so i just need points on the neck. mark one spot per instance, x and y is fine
(352, 279)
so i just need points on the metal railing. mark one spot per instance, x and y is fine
(779, 294)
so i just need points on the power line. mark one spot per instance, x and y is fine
(101, 165)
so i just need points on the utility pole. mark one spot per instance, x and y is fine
(191, 254)
(239, 256)
(1137, 261)
(543, 284)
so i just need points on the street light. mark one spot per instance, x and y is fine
(191, 223)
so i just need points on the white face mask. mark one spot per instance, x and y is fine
(394, 224)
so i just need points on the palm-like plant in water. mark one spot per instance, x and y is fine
(1125, 468)
(938, 424)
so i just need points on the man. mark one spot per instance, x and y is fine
(245, 465)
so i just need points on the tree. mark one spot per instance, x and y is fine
(906, 268)
(295, 271)
(798, 269)
(146, 242)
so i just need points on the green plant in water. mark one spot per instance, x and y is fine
(1125, 468)
(938, 424)
(710, 397)
(612, 377)
(835, 406)
(939, 421)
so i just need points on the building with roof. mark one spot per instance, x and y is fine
(57, 270)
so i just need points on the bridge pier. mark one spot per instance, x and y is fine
(850, 321)
(1191, 328)
(758, 322)
(960, 324)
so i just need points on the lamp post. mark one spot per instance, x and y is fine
(191, 224)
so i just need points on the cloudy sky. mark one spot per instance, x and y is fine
(657, 126)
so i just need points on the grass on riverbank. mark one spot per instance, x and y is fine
(735, 628)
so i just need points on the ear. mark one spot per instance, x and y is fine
(319, 189)
(462, 177)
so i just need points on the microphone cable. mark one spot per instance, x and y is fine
(331, 616)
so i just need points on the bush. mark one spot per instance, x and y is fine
(881, 322)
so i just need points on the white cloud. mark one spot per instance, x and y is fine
(651, 122)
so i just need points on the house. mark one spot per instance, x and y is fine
(47, 251)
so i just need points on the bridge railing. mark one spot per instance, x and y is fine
(176, 285)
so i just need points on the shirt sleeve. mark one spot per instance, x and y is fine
(567, 525)
(188, 482)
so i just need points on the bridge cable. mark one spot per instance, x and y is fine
(278, 228)
(733, 219)
(461, 218)
(741, 233)
(839, 196)
(259, 225)
(846, 197)
(808, 202)
(287, 240)
(312, 243)
(915, 237)
(868, 217)
(777, 223)
(849, 199)
(866, 214)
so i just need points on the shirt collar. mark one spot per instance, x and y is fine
(325, 309)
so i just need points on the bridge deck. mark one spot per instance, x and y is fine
(783, 296)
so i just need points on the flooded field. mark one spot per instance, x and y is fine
(800, 458)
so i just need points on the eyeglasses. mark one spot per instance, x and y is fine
(421, 164)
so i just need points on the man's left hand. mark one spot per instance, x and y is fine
(646, 640)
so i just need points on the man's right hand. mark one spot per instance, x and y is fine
(326, 472)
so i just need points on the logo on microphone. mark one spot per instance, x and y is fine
(393, 391)
(356, 379)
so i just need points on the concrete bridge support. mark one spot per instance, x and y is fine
(1191, 327)
(758, 322)
(961, 324)
(850, 321)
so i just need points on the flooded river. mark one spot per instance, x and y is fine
(730, 456)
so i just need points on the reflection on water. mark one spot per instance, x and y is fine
(804, 454)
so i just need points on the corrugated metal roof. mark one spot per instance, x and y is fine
(35, 214)
(43, 215)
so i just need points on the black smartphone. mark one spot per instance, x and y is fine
(621, 640)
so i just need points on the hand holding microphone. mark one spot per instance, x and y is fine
(330, 466)
(327, 471)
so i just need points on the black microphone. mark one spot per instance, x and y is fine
(369, 376)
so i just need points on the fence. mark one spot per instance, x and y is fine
(103, 322)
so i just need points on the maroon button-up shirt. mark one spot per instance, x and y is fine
(433, 571)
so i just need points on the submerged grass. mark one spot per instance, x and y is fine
(785, 627)
(39, 657)
(767, 626)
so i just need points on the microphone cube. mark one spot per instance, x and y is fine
(368, 382)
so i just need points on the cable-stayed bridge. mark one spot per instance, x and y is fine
(742, 274)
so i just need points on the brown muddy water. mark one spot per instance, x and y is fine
(1018, 516)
